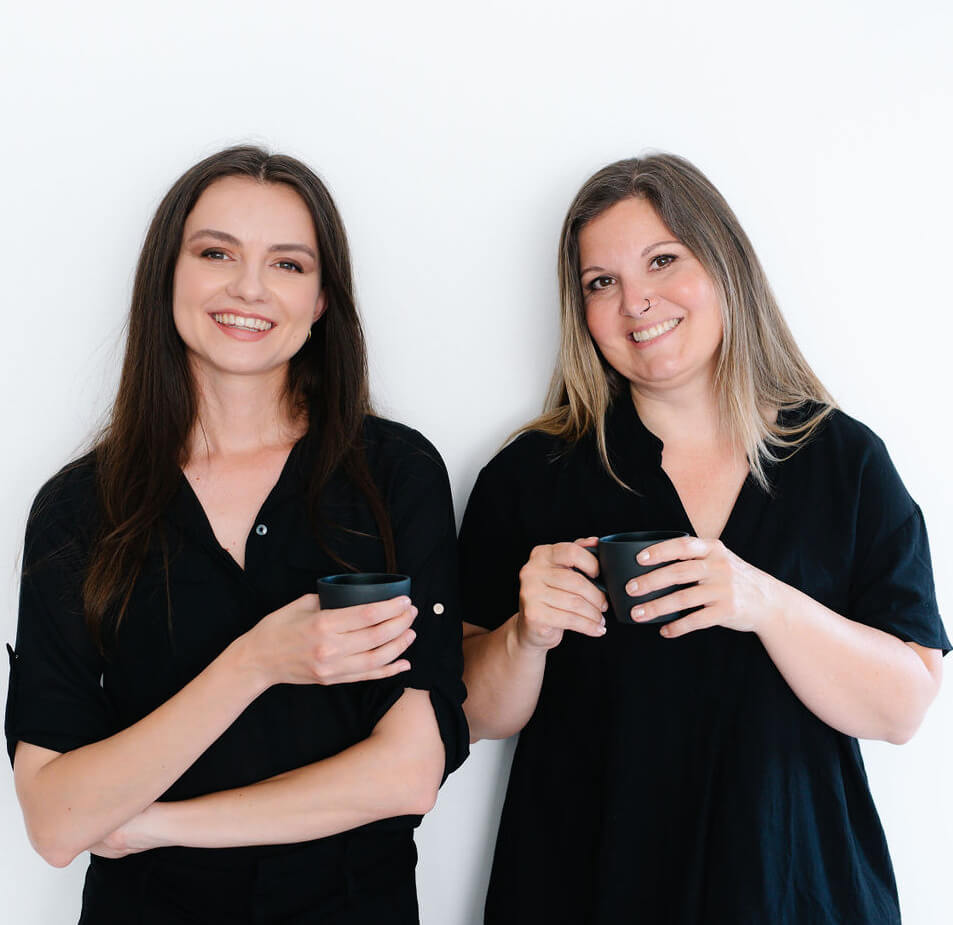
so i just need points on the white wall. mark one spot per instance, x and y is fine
(454, 138)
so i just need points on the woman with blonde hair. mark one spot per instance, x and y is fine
(707, 770)
(181, 706)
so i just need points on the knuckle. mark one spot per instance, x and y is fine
(320, 673)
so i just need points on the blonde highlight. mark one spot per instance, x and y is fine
(760, 370)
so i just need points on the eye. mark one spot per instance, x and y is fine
(289, 265)
(599, 282)
(662, 260)
(213, 253)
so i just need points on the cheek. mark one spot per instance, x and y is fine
(698, 295)
(598, 321)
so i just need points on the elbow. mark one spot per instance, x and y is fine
(424, 779)
(50, 846)
(902, 727)
(422, 800)
(51, 835)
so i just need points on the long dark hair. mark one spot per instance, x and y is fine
(145, 443)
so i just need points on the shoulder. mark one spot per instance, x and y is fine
(68, 495)
(851, 440)
(395, 445)
(531, 454)
(65, 512)
(404, 463)
(526, 467)
(854, 462)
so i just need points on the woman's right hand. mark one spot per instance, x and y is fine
(303, 644)
(555, 597)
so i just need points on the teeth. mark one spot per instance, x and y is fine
(640, 337)
(240, 321)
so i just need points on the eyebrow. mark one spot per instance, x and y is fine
(227, 238)
(644, 253)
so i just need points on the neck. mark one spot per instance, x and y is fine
(241, 414)
(685, 416)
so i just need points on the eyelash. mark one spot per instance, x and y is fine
(653, 263)
(214, 253)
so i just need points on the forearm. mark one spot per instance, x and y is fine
(503, 682)
(72, 801)
(857, 679)
(394, 772)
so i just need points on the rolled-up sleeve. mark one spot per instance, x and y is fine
(55, 698)
(421, 510)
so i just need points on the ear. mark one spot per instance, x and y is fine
(320, 306)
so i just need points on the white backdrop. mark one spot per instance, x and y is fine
(453, 138)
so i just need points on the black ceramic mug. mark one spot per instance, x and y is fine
(360, 588)
(618, 563)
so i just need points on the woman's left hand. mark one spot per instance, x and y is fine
(136, 835)
(730, 592)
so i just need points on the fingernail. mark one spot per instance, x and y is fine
(413, 635)
(404, 599)
(631, 588)
(605, 606)
(644, 556)
(665, 631)
(602, 630)
(638, 613)
(413, 610)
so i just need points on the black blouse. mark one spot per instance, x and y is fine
(682, 781)
(64, 695)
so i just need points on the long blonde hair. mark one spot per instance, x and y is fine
(759, 365)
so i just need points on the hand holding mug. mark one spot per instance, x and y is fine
(304, 644)
(556, 595)
(728, 591)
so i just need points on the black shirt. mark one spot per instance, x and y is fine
(58, 701)
(682, 781)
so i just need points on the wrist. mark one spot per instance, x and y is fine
(155, 828)
(518, 648)
(240, 659)
(773, 616)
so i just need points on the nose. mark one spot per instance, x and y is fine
(637, 300)
(247, 283)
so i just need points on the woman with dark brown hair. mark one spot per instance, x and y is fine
(180, 705)
(706, 770)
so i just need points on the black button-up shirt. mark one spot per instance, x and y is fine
(682, 781)
(64, 695)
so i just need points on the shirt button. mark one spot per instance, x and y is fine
(438, 609)
(261, 529)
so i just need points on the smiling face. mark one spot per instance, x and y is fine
(650, 306)
(248, 279)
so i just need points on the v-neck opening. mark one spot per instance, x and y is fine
(736, 511)
(643, 454)
(206, 523)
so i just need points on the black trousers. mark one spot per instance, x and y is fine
(348, 880)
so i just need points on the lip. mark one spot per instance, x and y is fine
(238, 333)
(646, 345)
(638, 328)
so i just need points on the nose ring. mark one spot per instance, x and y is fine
(648, 305)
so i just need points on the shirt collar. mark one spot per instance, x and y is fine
(630, 443)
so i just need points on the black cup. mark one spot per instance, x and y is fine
(360, 588)
(618, 563)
